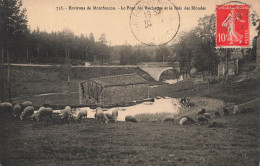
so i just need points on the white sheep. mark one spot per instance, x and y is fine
(68, 108)
(115, 115)
(6, 109)
(66, 113)
(183, 121)
(236, 110)
(168, 118)
(101, 117)
(36, 113)
(43, 113)
(28, 111)
(98, 110)
(17, 110)
(130, 118)
(81, 114)
(109, 116)
(26, 104)
(49, 109)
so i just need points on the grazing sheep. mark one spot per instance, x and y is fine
(186, 103)
(216, 124)
(47, 113)
(235, 110)
(68, 108)
(49, 109)
(66, 113)
(81, 114)
(130, 118)
(207, 115)
(36, 113)
(203, 111)
(6, 109)
(17, 110)
(190, 105)
(183, 100)
(189, 119)
(217, 114)
(183, 121)
(43, 113)
(98, 110)
(168, 119)
(109, 116)
(115, 115)
(27, 112)
(202, 119)
(225, 111)
(101, 117)
(26, 104)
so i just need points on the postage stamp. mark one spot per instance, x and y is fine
(154, 22)
(232, 26)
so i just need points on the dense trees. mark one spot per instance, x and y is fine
(43, 47)
(13, 25)
(196, 48)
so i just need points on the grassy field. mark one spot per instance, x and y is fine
(145, 143)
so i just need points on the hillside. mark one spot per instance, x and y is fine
(34, 80)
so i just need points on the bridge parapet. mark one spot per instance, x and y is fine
(157, 64)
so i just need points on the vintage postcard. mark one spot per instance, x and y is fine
(129, 82)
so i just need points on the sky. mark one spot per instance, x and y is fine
(115, 24)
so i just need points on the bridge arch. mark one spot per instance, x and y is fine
(156, 72)
(160, 72)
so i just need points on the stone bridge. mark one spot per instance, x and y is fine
(155, 69)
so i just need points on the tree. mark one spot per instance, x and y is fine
(12, 24)
(103, 39)
(162, 54)
(197, 47)
(68, 36)
(205, 54)
(127, 56)
(91, 38)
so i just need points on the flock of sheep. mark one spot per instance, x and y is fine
(26, 110)
(204, 116)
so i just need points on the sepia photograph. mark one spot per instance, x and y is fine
(129, 82)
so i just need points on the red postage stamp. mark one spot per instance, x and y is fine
(232, 26)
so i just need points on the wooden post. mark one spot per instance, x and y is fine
(2, 76)
(8, 76)
(68, 63)
(225, 77)
(227, 67)
(237, 65)
(27, 54)
(148, 94)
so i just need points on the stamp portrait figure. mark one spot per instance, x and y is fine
(229, 23)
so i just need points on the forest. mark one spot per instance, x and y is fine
(20, 44)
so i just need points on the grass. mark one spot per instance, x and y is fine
(144, 143)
